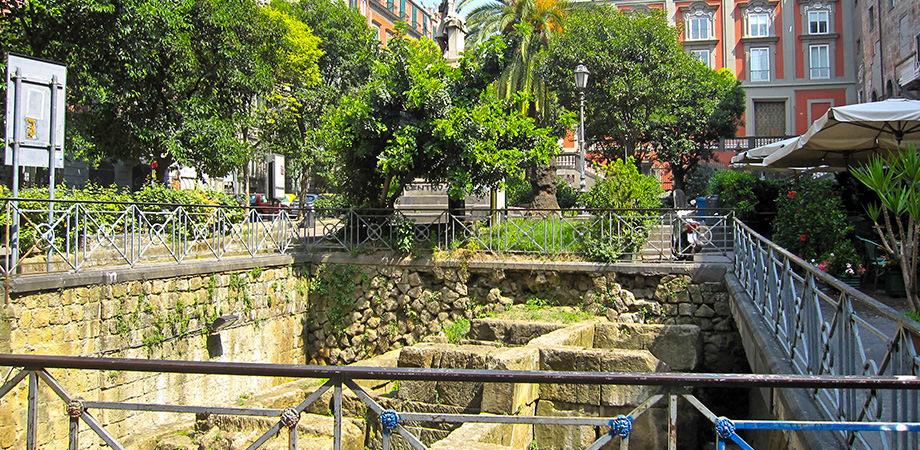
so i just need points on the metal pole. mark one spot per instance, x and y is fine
(52, 149)
(32, 413)
(337, 412)
(17, 106)
(582, 184)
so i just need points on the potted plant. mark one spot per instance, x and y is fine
(844, 263)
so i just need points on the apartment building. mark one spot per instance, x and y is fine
(383, 15)
(888, 62)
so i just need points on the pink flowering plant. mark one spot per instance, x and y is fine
(843, 261)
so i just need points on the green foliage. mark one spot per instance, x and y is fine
(329, 202)
(456, 331)
(810, 219)
(645, 92)
(518, 192)
(624, 187)
(334, 287)
(403, 234)
(165, 80)
(913, 315)
(843, 260)
(540, 310)
(630, 192)
(698, 181)
(566, 195)
(895, 180)
(412, 120)
(735, 190)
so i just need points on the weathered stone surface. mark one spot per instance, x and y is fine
(509, 331)
(678, 346)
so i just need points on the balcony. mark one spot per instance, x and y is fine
(910, 76)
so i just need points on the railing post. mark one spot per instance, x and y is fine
(337, 411)
(672, 422)
(32, 412)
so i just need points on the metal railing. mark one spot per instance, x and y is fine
(742, 143)
(44, 236)
(826, 327)
(672, 387)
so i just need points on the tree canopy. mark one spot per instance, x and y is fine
(645, 94)
(164, 80)
(416, 118)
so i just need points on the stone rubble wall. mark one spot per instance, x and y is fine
(396, 305)
(162, 319)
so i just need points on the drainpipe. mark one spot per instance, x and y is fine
(881, 48)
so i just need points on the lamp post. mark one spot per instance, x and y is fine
(581, 82)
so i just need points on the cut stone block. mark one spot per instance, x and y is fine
(678, 346)
(511, 332)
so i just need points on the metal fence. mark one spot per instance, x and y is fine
(672, 388)
(43, 236)
(826, 327)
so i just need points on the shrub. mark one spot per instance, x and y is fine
(735, 190)
(810, 219)
(842, 261)
(623, 187)
(629, 191)
(566, 195)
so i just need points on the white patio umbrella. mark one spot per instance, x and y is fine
(850, 134)
(757, 154)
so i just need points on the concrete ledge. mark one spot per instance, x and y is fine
(765, 355)
(33, 283)
(701, 272)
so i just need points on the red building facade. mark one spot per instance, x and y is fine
(383, 15)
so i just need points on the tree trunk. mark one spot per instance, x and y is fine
(678, 177)
(543, 181)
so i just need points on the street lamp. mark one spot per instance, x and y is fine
(581, 82)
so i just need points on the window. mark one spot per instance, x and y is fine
(758, 24)
(414, 17)
(402, 7)
(425, 25)
(760, 64)
(702, 56)
(871, 18)
(819, 62)
(904, 30)
(818, 22)
(390, 5)
(699, 28)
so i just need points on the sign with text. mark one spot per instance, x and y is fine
(30, 110)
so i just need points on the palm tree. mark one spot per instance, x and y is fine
(528, 26)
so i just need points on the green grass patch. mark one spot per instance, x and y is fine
(536, 310)
(913, 315)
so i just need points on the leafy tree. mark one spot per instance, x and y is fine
(527, 27)
(296, 108)
(707, 105)
(416, 119)
(171, 81)
(634, 61)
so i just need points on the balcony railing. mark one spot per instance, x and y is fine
(826, 327)
(739, 144)
(666, 388)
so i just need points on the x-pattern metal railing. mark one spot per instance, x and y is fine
(79, 235)
(673, 387)
(826, 327)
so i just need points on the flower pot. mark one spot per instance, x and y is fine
(894, 284)
(852, 281)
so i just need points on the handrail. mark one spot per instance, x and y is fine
(34, 362)
(864, 299)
